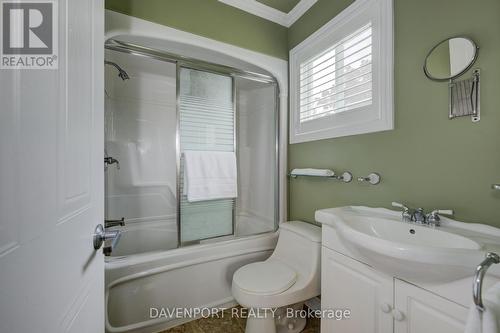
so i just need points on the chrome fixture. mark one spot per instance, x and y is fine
(465, 98)
(101, 235)
(477, 287)
(162, 55)
(121, 73)
(433, 217)
(346, 176)
(457, 48)
(108, 160)
(464, 95)
(496, 187)
(114, 223)
(418, 216)
(373, 178)
(406, 215)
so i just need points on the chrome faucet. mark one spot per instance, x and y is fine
(108, 160)
(406, 214)
(433, 218)
(114, 223)
(418, 215)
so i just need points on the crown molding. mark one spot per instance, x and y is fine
(300, 9)
(271, 14)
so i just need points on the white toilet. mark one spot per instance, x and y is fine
(288, 278)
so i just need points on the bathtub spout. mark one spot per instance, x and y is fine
(114, 223)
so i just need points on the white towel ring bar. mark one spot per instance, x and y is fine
(491, 258)
(346, 177)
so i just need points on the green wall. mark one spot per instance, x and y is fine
(212, 19)
(427, 160)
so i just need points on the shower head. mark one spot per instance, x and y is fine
(121, 73)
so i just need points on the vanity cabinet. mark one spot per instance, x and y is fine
(424, 312)
(351, 285)
(379, 303)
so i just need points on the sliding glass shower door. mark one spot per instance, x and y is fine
(206, 123)
(169, 106)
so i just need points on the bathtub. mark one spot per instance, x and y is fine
(195, 276)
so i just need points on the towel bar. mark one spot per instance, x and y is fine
(491, 258)
(346, 176)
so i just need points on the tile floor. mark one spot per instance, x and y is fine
(227, 324)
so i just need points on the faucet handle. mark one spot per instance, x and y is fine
(406, 214)
(399, 205)
(433, 217)
(443, 212)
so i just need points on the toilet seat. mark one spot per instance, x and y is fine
(265, 278)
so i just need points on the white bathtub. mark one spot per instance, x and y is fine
(194, 276)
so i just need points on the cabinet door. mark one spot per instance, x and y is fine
(420, 311)
(349, 284)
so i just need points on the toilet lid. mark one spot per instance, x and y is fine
(265, 278)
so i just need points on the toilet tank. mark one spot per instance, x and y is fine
(299, 245)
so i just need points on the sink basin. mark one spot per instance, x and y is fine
(410, 251)
(406, 234)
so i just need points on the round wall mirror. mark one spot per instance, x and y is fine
(450, 58)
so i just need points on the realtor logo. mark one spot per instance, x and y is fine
(29, 34)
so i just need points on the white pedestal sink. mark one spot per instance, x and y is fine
(410, 251)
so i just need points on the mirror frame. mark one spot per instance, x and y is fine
(476, 53)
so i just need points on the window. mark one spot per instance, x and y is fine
(341, 76)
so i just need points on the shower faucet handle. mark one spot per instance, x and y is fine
(108, 160)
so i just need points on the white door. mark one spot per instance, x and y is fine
(420, 311)
(51, 183)
(349, 284)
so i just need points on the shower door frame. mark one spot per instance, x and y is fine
(201, 65)
(179, 66)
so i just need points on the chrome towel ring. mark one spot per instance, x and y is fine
(491, 258)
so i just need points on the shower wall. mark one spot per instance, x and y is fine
(140, 132)
(256, 147)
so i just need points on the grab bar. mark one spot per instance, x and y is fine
(477, 287)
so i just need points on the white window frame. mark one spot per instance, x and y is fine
(379, 116)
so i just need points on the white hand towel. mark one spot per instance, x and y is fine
(486, 321)
(210, 175)
(312, 172)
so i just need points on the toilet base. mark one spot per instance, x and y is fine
(264, 323)
(289, 324)
(280, 323)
